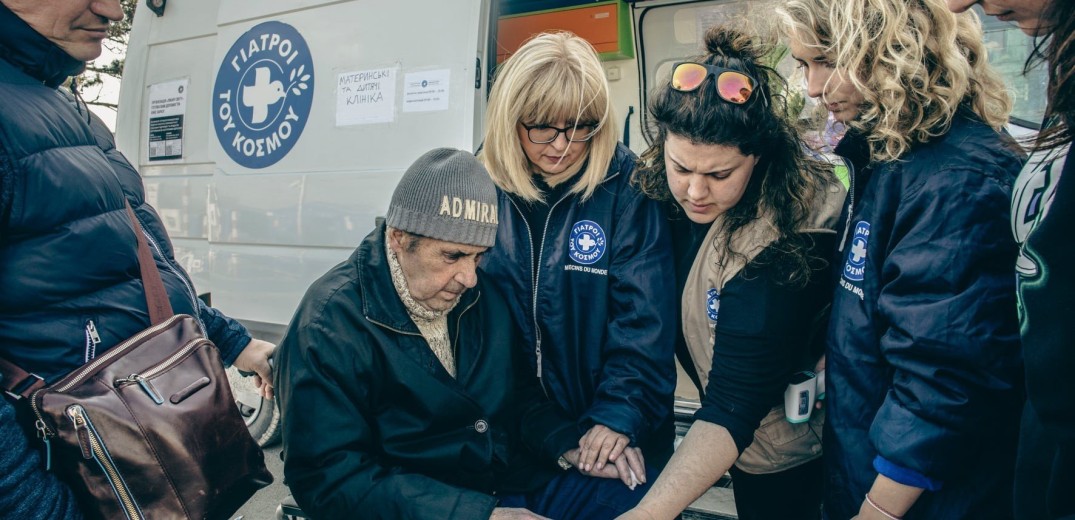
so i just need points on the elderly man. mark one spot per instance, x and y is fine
(68, 262)
(403, 388)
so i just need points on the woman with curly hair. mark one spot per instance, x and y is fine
(760, 218)
(923, 362)
(1042, 212)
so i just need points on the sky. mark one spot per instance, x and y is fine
(108, 91)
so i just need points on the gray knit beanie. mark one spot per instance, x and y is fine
(446, 195)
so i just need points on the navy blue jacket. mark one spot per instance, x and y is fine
(924, 367)
(67, 247)
(598, 321)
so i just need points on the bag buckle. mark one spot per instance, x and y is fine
(28, 385)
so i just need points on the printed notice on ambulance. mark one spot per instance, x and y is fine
(366, 96)
(167, 106)
(426, 91)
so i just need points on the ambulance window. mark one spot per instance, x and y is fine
(669, 33)
(1008, 49)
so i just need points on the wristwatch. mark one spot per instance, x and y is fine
(564, 464)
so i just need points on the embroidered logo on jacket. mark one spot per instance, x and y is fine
(855, 268)
(712, 304)
(587, 244)
(263, 94)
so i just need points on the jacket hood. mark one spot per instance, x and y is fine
(34, 54)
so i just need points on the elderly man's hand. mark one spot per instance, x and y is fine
(609, 471)
(255, 358)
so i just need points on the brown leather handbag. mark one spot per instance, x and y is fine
(149, 429)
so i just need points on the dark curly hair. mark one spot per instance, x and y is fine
(785, 179)
(1056, 48)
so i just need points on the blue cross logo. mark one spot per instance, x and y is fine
(587, 242)
(855, 268)
(858, 251)
(712, 304)
(263, 94)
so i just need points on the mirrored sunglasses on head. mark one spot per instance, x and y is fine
(731, 85)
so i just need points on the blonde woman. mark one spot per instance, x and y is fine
(923, 362)
(585, 260)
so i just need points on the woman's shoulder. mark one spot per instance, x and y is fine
(969, 145)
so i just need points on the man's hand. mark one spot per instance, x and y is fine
(255, 358)
(609, 471)
(631, 466)
(514, 513)
(623, 468)
(601, 445)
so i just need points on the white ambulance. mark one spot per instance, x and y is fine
(270, 134)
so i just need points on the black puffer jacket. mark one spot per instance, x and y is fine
(68, 264)
(69, 279)
(373, 423)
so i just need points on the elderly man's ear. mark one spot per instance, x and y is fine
(401, 241)
(396, 240)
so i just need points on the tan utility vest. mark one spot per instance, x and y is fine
(778, 444)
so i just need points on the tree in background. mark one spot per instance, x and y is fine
(116, 46)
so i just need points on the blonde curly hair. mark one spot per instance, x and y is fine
(914, 61)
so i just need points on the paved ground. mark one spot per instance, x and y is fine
(262, 506)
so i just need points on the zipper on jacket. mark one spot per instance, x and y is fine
(78, 375)
(94, 448)
(177, 272)
(851, 203)
(92, 340)
(537, 277)
(186, 283)
(143, 378)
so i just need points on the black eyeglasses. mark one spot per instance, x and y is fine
(545, 134)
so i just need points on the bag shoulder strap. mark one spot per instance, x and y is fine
(19, 383)
(157, 303)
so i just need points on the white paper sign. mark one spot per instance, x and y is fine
(167, 109)
(366, 96)
(426, 91)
